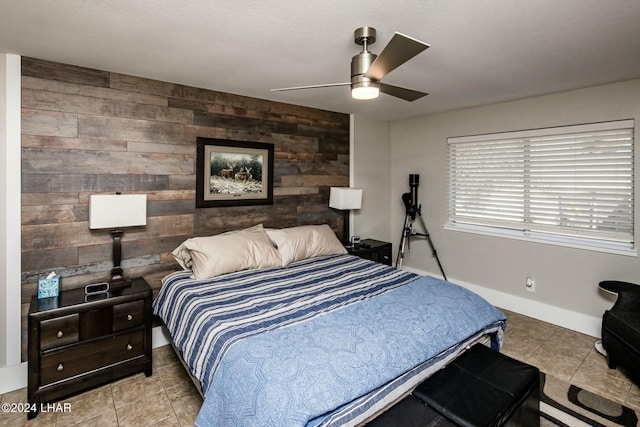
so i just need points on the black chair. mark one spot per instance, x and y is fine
(621, 328)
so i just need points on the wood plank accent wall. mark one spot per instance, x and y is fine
(88, 132)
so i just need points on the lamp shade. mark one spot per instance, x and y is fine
(345, 198)
(117, 210)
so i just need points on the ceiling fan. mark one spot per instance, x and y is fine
(367, 69)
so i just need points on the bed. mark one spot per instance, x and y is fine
(323, 340)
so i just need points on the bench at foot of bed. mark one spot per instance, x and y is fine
(410, 412)
(483, 387)
(480, 388)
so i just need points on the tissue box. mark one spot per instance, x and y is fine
(48, 287)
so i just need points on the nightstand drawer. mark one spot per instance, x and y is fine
(58, 332)
(82, 358)
(128, 315)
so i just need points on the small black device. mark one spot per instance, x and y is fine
(413, 211)
(96, 288)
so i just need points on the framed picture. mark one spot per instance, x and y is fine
(233, 173)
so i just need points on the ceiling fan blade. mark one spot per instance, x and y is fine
(399, 50)
(310, 87)
(402, 93)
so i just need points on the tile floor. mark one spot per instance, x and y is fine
(568, 356)
(168, 398)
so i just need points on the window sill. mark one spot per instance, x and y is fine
(569, 242)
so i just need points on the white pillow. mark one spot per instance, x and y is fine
(305, 241)
(228, 252)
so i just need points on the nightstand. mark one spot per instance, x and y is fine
(375, 250)
(79, 341)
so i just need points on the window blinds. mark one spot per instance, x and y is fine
(571, 181)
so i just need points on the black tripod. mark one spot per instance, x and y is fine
(413, 210)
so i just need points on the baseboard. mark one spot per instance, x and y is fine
(579, 322)
(160, 336)
(15, 377)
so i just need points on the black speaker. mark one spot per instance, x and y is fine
(96, 287)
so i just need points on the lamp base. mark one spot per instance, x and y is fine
(116, 271)
(345, 228)
(117, 281)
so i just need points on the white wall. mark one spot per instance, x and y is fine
(12, 372)
(566, 278)
(371, 171)
(3, 207)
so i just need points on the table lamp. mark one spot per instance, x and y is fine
(345, 199)
(116, 211)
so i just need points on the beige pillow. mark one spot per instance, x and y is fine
(305, 241)
(228, 252)
(183, 256)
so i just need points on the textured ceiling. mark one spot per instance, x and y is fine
(481, 51)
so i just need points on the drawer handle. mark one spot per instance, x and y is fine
(129, 347)
(60, 367)
(59, 334)
(129, 317)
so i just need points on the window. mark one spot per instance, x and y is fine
(568, 185)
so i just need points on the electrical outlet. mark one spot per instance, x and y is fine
(530, 284)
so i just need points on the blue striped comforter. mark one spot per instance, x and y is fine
(322, 341)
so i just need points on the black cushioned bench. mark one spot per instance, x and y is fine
(483, 387)
(410, 412)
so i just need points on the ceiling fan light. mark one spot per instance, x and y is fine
(365, 92)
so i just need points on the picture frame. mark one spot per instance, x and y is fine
(233, 173)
